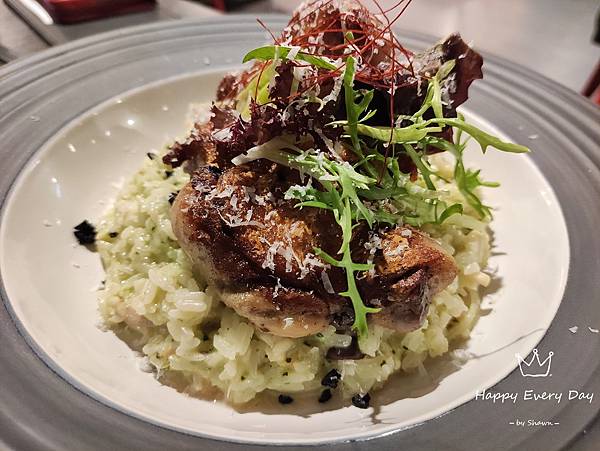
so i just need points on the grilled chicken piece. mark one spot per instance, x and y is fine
(258, 254)
(258, 251)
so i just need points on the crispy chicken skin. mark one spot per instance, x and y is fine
(420, 272)
(258, 251)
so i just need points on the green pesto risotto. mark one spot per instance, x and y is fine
(155, 302)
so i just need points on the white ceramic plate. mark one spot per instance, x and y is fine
(50, 281)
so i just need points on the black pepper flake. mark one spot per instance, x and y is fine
(331, 379)
(288, 360)
(361, 401)
(151, 155)
(85, 233)
(285, 399)
(172, 197)
(168, 174)
(214, 170)
(325, 396)
(113, 234)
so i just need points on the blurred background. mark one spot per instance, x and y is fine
(557, 38)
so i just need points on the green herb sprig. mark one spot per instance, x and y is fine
(273, 52)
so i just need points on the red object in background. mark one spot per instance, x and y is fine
(592, 85)
(220, 5)
(73, 11)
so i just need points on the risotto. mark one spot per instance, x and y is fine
(155, 302)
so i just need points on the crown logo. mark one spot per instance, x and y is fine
(535, 367)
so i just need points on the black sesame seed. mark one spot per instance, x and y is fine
(285, 399)
(331, 379)
(325, 395)
(85, 233)
(113, 234)
(168, 174)
(151, 155)
(361, 401)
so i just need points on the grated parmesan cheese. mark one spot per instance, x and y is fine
(327, 282)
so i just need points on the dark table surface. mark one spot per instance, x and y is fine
(20, 40)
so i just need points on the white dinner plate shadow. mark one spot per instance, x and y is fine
(50, 281)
